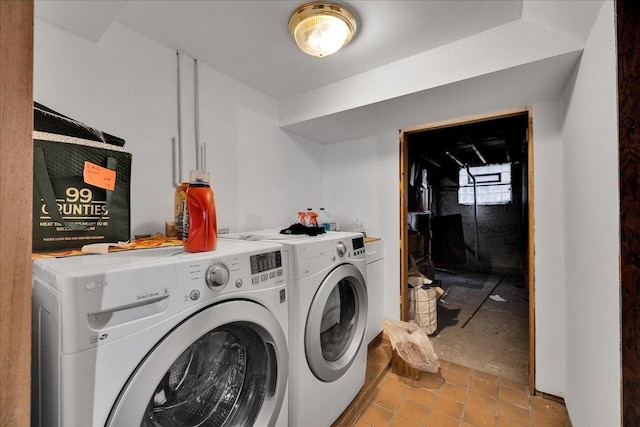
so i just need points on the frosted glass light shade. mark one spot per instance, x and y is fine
(321, 28)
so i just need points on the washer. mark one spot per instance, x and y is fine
(160, 337)
(327, 322)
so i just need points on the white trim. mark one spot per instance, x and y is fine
(54, 137)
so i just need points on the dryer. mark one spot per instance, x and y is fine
(160, 337)
(327, 322)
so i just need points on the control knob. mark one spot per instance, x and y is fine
(217, 275)
(341, 248)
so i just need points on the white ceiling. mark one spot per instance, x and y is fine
(248, 40)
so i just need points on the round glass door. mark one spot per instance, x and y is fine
(336, 323)
(224, 370)
(224, 366)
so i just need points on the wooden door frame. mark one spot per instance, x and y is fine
(628, 48)
(16, 183)
(404, 241)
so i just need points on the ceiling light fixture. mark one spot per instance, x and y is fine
(322, 28)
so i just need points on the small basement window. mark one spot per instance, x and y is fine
(493, 183)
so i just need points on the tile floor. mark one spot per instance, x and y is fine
(457, 396)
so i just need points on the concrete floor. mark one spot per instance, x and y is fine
(496, 339)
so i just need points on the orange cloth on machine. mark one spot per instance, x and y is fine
(157, 241)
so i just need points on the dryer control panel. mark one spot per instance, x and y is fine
(313, 256)
(358, 245)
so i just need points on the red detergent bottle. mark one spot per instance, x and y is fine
(200, 228)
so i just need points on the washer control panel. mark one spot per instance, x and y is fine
(266, 266)
(204, 276)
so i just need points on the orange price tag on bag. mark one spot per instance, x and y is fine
(99, 176)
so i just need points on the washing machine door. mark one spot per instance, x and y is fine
(336, 323)
(224, 366)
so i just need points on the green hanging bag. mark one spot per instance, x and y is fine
(81, 191)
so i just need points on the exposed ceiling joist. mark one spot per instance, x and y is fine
(479, 154)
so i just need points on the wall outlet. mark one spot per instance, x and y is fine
(223, 231)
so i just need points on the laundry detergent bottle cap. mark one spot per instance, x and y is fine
(200, 224)
(198, 177)
(325, 215)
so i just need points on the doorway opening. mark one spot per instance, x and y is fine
(467, 226)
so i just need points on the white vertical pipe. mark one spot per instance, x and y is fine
(178, 147)
(174, 168)
(197, 114)
(203, 156)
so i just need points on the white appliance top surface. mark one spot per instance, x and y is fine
(126, 259)
(274, 235)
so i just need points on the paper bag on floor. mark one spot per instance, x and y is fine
(423, 308)
(412, 344)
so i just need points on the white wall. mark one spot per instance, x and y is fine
(591, 237)
(125, 84)
(547, 199)
(361, 183)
